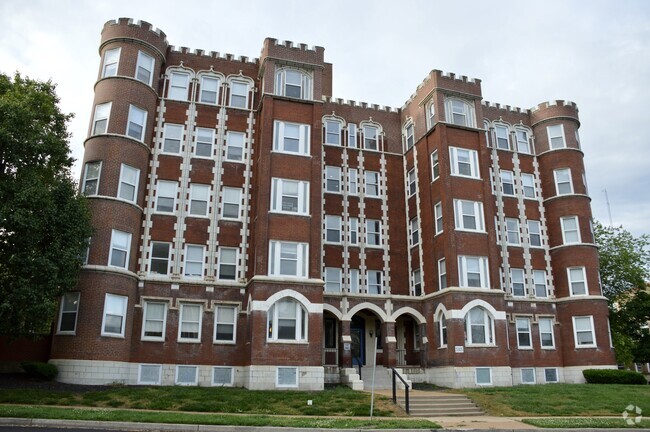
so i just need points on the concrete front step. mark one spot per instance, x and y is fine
(440, 404)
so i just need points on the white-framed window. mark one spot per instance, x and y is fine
(178, 86)
(583, 332)
(416, 276)
(159, 258)
(293, 83)
(430, 110)
(231, 203)
(222, 376)
(464, 162)
(414, 232)
(111, 62)
(375, 284)
(172, 138)
(534, 233)
(442, 328)
(90, 183)
(286, 377)
(524, 339)
(409, 138)
(473, 271)
(144, 68)
(556, 136)
(137, 122)
(292, 138)
(86, 255)
(68, 313)
(239, 94)
(577, 281)
(333, 279)
(372, 184)
(539, 280)
(199, 199)
(150, 374)
(503, 140)
(507, 182)
(166, 196)
(287, 321)
(120, 249)
(100, 118)
(460, 112)
(435, 166)
(154, 320)
(479, 327)
(225, 323)
(469, 215)
(190, 321)
(442, 273)
(114, 317)
(373, 232)
(353, 181)
(523, 145)
(194, 261)
(528, 182)
(370, 137)
(528, 376)
(333, 232)
(289, 196)
(353, 224)
(437, 212)
(203, 143)
(412, 182)
(563, 183)
(288, 259)
(186, 375)
(546, 337)
(354, 280)
(550, 375)
(227, 269)
(512, 232)
(235, 146)
(129, 178)
(333, 179)
(352, 135)
(518, 282)
(209, 90)
(332, 132)
(570, 230)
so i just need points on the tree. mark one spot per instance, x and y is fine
(44, 222)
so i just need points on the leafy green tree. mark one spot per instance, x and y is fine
(44, 222)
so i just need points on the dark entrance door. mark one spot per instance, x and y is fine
(358, 334)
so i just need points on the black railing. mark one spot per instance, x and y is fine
(358, 364)
(406, 389)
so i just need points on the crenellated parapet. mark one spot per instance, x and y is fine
(355, 104)
(129, 29)
(213, 55)
(288, 51)
(556, 109)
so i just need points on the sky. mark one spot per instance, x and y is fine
(593, 52)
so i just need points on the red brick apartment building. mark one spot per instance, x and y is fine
(252, 230)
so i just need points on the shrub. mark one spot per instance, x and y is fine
(40, 370)
(613, 376)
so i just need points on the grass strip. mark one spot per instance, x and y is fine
(43, 412)
(587, 423)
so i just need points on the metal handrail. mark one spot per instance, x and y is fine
(358, 364)
(406, 389)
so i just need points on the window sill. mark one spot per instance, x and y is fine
(287, 213)
(234, 161)
(587, 347)
(220, 342)
(289, 342)
(480, 345)
(145, 339)
(116, 336)
(466, 177)
(526, 348)
(188, 341)
(227, 219)
(471, 231)
(291, 153)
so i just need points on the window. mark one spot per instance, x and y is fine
(563, 183)
(577, 281)
(507, 183)
(293, 83)
(442, 322)
(409, 139)
(414, 232)
(120, 248)
(231, 202)
(100, 119)
(437, 210)
(370, 137)
(332, 132)
(186, 375)
(528, 376)
(291, 138)
(90, 184)
(235, 146)
(159, 259)
(354, 281)
(333, 179)
(166, 196)
(352, 135)
(172, 138)
(570, 230)
(86, 255)
(129, 177)
(556, 136)
(144, 68)
(354, 230)
(209, 90)
(534, 233)
(286, 377)
(412, 182)
(518, 285)
(417, 282)
(375, 284)
(373, 232)
(473, 271)
(190, 322)
(523, 333)
(550, 375)
(464, 162)
(289, 196)
(287, 320)
(539, 279)
(111, 61)
(546, 337)
(469, 215)
(523, 145)
(479, 327)
(353, 181)
(178, 86)
(332, 280)
(222, 376)
(68, 313)
(136, 124)
(204, 140)
(435, 166)
(150, 374)
(155, 316)
(199, 199)
(430, 114)
(512, 228)
(503, 142)
(460, 112)
(333, 229)
(583, 332)
(372, 184)
(528, 181)
(442, 273)
(227, 263)
(288, 259)
(225, 320)
(238, 94)
(113, 321)
(193, 261)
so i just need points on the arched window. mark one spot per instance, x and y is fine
(479, 327)
(293, 83)
(209, 86)
(460, 112)
(287, 321)
(333, 131)
(409, 135)
(430, 111)
(442, 323)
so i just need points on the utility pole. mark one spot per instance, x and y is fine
(609, 209)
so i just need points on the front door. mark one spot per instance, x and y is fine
(358, 334)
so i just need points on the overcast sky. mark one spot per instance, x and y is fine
(593, 52)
